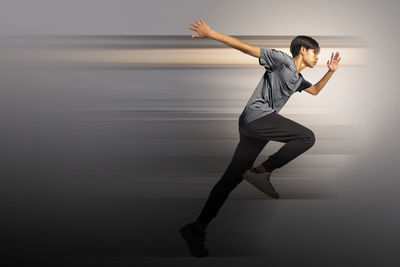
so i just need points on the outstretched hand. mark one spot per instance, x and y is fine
(201, 28)
(333, 64)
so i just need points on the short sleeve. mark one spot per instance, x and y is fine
(304, 85)
(271, 58)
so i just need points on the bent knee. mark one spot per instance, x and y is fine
(310, 137)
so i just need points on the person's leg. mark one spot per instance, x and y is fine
(245, 154)
(275, 127)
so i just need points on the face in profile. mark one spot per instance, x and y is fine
(310, 57)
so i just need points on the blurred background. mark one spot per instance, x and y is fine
(116, 124)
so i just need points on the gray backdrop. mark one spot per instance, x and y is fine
(103, 165)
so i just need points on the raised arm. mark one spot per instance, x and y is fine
(204, 31)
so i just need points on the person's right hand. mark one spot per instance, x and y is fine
(201, 28)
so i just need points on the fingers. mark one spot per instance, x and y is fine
(336, 55)
(191, 28)
(195, 26)
(197, 22)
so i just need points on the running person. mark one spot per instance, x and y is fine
(260, 123)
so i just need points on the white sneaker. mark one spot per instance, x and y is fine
(261, 182)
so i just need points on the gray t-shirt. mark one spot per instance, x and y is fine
(279, 82)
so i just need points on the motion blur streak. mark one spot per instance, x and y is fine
(95, 104)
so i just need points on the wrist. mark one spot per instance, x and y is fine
(211, 34)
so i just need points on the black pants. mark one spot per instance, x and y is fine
(253, 138)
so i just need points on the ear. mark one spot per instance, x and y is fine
(303, 50)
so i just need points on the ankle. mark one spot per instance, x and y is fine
(199, 227)
(260, 169)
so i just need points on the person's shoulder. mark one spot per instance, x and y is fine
(268, 50)
(271, 57)
(284, 57)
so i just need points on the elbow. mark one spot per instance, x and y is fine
(316, 90)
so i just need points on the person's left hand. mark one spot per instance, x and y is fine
(333, 64)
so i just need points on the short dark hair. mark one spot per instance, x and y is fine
(303, 40)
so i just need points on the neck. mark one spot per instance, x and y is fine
(299, 63)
